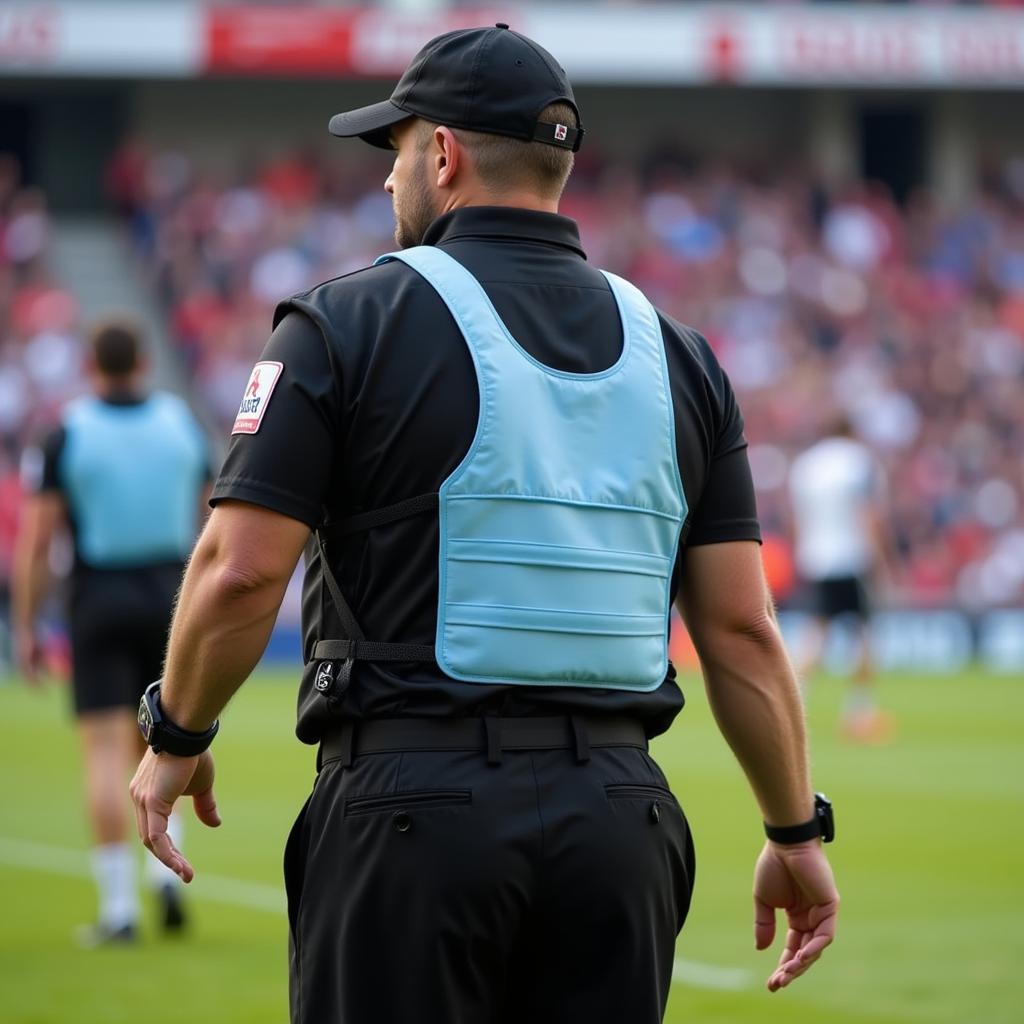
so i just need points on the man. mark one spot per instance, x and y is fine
(127, 472)
(837, 492)
(498, 449)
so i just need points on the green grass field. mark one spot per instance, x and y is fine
(928, 859)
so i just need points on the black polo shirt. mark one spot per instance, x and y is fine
(377, 402)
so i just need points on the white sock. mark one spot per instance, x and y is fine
(158, 874)
(113, 867)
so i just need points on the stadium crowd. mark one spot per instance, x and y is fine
(909, 318)
(40, 350)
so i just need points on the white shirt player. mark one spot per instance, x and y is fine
(833, 486)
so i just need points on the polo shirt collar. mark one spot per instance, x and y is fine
(120, 397)
(505, 222)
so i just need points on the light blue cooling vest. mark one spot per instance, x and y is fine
(559, 528)
(132, 476)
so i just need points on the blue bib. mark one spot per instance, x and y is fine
(559, 528)
(132, 475)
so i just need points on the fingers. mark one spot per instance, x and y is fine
(799, 880)
(157, 784)
(206, 808)
(160, 844)
(803, 949)
(764, 924)
(200, 788)
(814, 948)
(788, 972)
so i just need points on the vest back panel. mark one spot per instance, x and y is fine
(559, 529)
(132, 476)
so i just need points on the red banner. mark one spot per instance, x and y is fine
(324, 41)
(279, 40)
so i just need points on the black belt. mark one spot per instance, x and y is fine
(491, 735)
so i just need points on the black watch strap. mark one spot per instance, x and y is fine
(163, 735)
(822, 824)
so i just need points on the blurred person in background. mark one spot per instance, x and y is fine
(483, 717)
(837, 492)
(126, 471)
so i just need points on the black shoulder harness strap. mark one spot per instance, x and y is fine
(354, 645)
(388, 514)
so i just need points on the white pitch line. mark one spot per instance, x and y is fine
(723, 979)
(60, 860)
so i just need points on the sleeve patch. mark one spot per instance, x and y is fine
(256, 398)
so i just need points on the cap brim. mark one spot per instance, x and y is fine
(371, 124)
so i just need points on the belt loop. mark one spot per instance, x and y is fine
(582, 740)
(492, 733)
(348, 740)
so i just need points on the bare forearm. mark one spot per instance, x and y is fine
(41, 517)
(220, 629)
(753, 694)
(30, 582)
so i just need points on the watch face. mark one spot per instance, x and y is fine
(145, 720)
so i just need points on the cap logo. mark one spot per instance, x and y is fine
(561, 132)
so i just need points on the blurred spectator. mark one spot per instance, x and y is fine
(39, 350)
(39, 346)
(911, 320)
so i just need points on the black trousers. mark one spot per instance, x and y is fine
(432, 887)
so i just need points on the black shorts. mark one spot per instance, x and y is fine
(841, 595)
(119, 620)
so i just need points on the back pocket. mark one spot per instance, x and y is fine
(638, 791)
(418, 799)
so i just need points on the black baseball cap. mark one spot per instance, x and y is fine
(489, 80)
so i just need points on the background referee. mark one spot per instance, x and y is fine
(128, 473)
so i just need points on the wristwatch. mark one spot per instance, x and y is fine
(822, 824)
(163, 735)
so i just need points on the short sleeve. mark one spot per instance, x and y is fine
(285, 465)
(728, 508)
(40, 465)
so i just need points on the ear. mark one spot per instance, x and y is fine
(447, 154)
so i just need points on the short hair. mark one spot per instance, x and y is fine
(503, 162)
(116, 348)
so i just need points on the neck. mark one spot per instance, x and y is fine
(513, 200)
(107, 386)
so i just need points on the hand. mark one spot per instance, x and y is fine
(159, 781)
(31, 654)
(797, 879)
